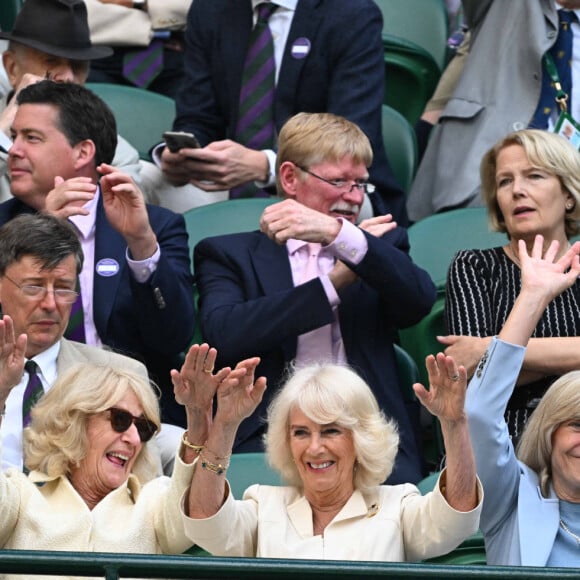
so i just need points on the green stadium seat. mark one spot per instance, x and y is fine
(142, 116)
(401, 146)
(411, 75)
(8, 11)
(436, 239)
(423, 22)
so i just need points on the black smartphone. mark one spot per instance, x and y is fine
(176, 140)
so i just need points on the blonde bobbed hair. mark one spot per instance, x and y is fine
(56, 439)
(328, 393)
(547, 151)
(560, 403)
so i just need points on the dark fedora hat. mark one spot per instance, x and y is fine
(57, 27)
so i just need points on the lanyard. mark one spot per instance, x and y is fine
(561, 96)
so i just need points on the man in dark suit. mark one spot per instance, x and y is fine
(136, 282)
(262, 295)
(328, 58)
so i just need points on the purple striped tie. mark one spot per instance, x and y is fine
(255, 128)
(33, 392)
(143, 66)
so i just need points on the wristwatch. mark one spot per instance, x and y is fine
(140, 4)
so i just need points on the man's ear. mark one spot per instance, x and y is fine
(84, 153)
(288, 174)
(11, 67)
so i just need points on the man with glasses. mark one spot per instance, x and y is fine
(311, 285)
(40, 260)
(136, 282)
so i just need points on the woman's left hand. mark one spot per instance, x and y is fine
(447, 386)
(195, 385)
(239, 395)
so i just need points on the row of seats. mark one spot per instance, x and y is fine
(415, 36)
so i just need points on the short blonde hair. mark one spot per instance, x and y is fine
(57, 437)
(328, 393)
(560, 403)
(546, 151)
(307, 139)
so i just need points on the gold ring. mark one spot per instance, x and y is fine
(208, 371)
(454, 378)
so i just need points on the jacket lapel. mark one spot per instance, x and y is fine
(109, 246)
(536, 513)
(307, 19)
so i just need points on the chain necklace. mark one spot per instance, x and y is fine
(569, 532)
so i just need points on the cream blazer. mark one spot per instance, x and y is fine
(391, 524)
(46, 513)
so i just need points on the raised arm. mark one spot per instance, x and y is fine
(446, 400)
(238, 395)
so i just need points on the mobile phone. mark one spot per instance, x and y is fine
(176, 140)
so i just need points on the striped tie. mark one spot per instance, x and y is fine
(255, 128)
(143, 66)
(33, 392)
(561, 52)
(75, 329)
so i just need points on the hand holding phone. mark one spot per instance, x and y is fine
(176, 140)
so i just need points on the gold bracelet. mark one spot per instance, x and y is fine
(216, 468)
(197, 448)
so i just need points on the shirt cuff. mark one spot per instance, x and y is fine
(350, 245)
(143, 269)
(271, 155)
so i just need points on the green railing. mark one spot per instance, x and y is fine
(113, 566)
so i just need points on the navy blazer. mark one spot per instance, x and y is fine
(154, 321)
(343, 73)
(249, 306)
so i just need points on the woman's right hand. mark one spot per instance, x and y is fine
(12, 353)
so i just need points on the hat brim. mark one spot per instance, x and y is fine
(88, 53)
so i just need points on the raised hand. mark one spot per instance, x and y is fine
(238, 395)
(69, 196)
(195, 385)
(126, 211)
(12, 352)
(447, 386)
(291, 219)
(542, 273)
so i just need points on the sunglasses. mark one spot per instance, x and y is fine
(121, 420)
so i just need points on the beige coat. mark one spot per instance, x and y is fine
(390, 524)
(50, 515)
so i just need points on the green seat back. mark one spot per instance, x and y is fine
(248, 468)
(408, 372)
(225, 217)
(436, 239)
(401, 146)
(142, 116)
(411, 75)
(423, 22)
(8, 12)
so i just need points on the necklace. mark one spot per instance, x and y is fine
(569, 532)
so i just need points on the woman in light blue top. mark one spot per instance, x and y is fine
(531, 512)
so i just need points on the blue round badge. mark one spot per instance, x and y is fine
(107, 267)
(300, 48)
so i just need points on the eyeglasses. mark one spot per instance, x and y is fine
(121, 420)
(341, 184)
(61, 295)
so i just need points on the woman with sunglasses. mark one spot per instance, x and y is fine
(87, 448)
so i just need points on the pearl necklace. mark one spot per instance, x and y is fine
(569, 532)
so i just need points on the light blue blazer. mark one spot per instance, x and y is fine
(519, 525)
